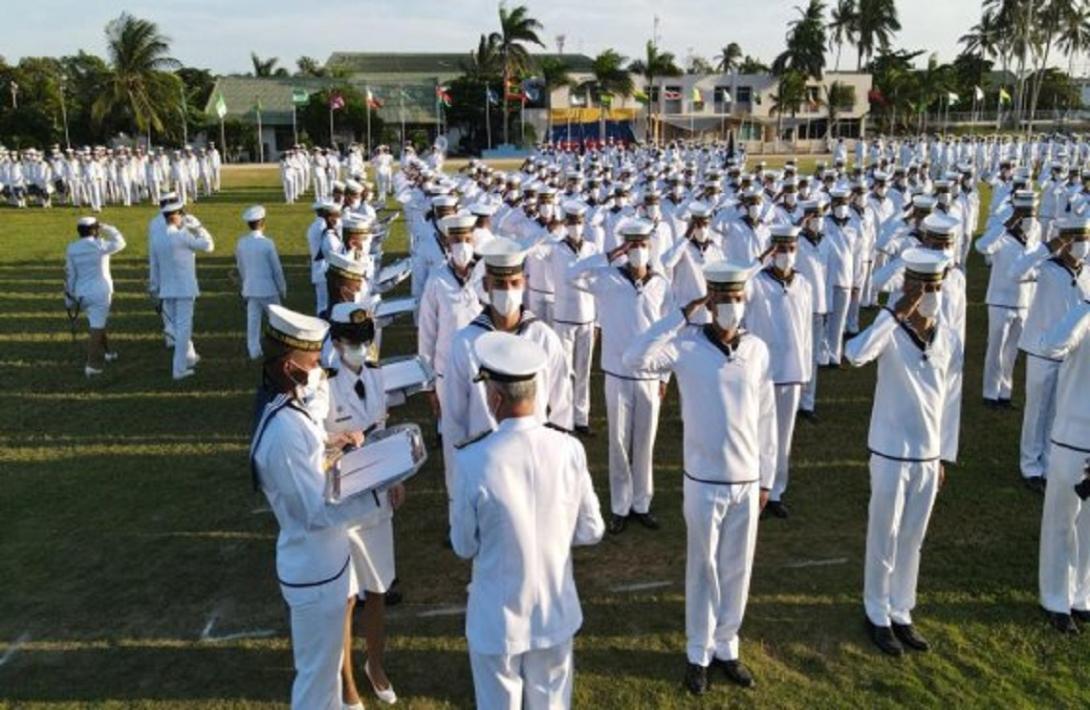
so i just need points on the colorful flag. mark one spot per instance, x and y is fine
(299, 96)
(1004, 97)
(221, 106)
(641, 97)
(727, 98)
(978, 93)
(672, 95)
(697, 98)
(491, 97)
(336, 102)
(257, 104)
(513, 92)
(606, 100)
(373, 101)
(951, 98)
(442, 95)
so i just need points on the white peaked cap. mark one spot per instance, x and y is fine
(574, 208)
(462, 220)
(699, 209)
(503, 254)
(925, 264)
(508, 358)
(637, 229)
(295, 330)
(171, 207)
(87, 221)
(346, 266)
(726, 273)
(252, 214)
(483, 209)
(1024, 198)
(349, 313)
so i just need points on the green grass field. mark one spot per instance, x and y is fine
(127, 522)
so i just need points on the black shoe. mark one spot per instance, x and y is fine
(736, 672)
(696, 679)
(777, 509)
(617, 524)
(809, 415)
(648, 520)
(393, 594)
(1062, 623)
(991, 403)
(1007, 404)
(584, 431)
(906, 634)
(1081, 615)
(883, 638)
(1036, 484)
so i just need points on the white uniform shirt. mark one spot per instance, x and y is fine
(572, 306)
(781, 314)
(1058, 291)
(1068, 340)
(447, 306)
(259, 267)
(728, 405)
(87, 266)
(466, 406)
(813, 263)
(1004, 249)
(523, 497)
(176, 255)
(625, 308)
(914, 398)
(685, 265)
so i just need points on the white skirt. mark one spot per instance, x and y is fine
(372, 551)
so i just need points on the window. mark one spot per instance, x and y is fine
(744, 94)
(722, 94)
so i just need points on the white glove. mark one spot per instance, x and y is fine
(192, 222)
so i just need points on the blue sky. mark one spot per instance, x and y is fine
(220, 34)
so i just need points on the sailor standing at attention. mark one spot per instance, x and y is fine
(261, 275)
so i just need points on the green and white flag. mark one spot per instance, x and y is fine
(299, 96)
(220, 107)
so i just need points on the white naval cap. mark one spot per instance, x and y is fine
(353, 187)
(253, 214)
(297, 331)
(508, 358)
(699, 210)
(345, 266)
(1025, 199)
(503, 256)
(1073, 226)
(784, 233)
(350, 313)
(923, 202)
(484, 209)
(636, 230)
(838, 193)
(444, 201)
(939, 225)
(811, 205)
(357, 224)
(574, 208)
(87, 222)
(460, 222)
(925, 264)
(172, 207)
(337, 186)
(726, 276)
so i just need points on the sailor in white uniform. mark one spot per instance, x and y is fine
(327, 217)
(178, 290)
(1065, 519)
(260, 273)
(728, 412)
(780, 312)
(628, 300)
(89, 286)
(523, 499)
(313, 551)
(917, 353)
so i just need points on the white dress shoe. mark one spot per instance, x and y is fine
(90, 372)
(352, 706)
(192, 362)
(188, 373)
(386, 695)
(112, 357)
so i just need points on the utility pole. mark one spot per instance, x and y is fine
(64, 115)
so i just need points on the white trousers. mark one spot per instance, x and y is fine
(1065, 535)
(721, 534)
(1004, 330)
(787, 406)
(1041, 378)
(180, 313)
(317, 642)
(835, 324)
(538, 679)
(255, 311)
(809, 390)
(321, 297)
(541, 304)
(578, 342)
(902, 495)
(632, 408)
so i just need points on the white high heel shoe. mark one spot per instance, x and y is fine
(388, 695)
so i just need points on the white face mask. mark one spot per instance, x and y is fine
(840, 211)
(653, 212)
(638, 257)
(728, 316)
(575, 232)
(789, 199)
(506, 302)
(880, 191)
(929, 304)
(784, 260)
(1026, 224)
(461, 253)
(309, 390)
(753, 212)
(354, 355)
(943, 198)
(1079, 250)
(546, 211)
(700, 234)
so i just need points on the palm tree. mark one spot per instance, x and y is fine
(875, 24)
(654, 63)
(610, 79)
(838, 97)
(842, 19)
(484, 63)
(805, 51)
(309, 66)
(1075, 35)
(266, 67)
(753, 65)
(140, 85)
(1052, 18)
(516, 28)
(729, 58)
(788, 98)
(982, 40)
(554, 75)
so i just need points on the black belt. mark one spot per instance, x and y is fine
(317, 584)
(718, 483)
(632, 379)
(570, 322)
(1070, 447)
(904, 460)
(1041, 357)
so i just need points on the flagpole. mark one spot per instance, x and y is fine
(487, 116)
(294, 122)
(260, 143)
(438, 112)
(223, 139)
(367, 100)
(331, 123)
(401, 112)
(185, 121)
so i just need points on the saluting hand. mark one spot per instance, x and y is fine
(906, 305)
(691, 306)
